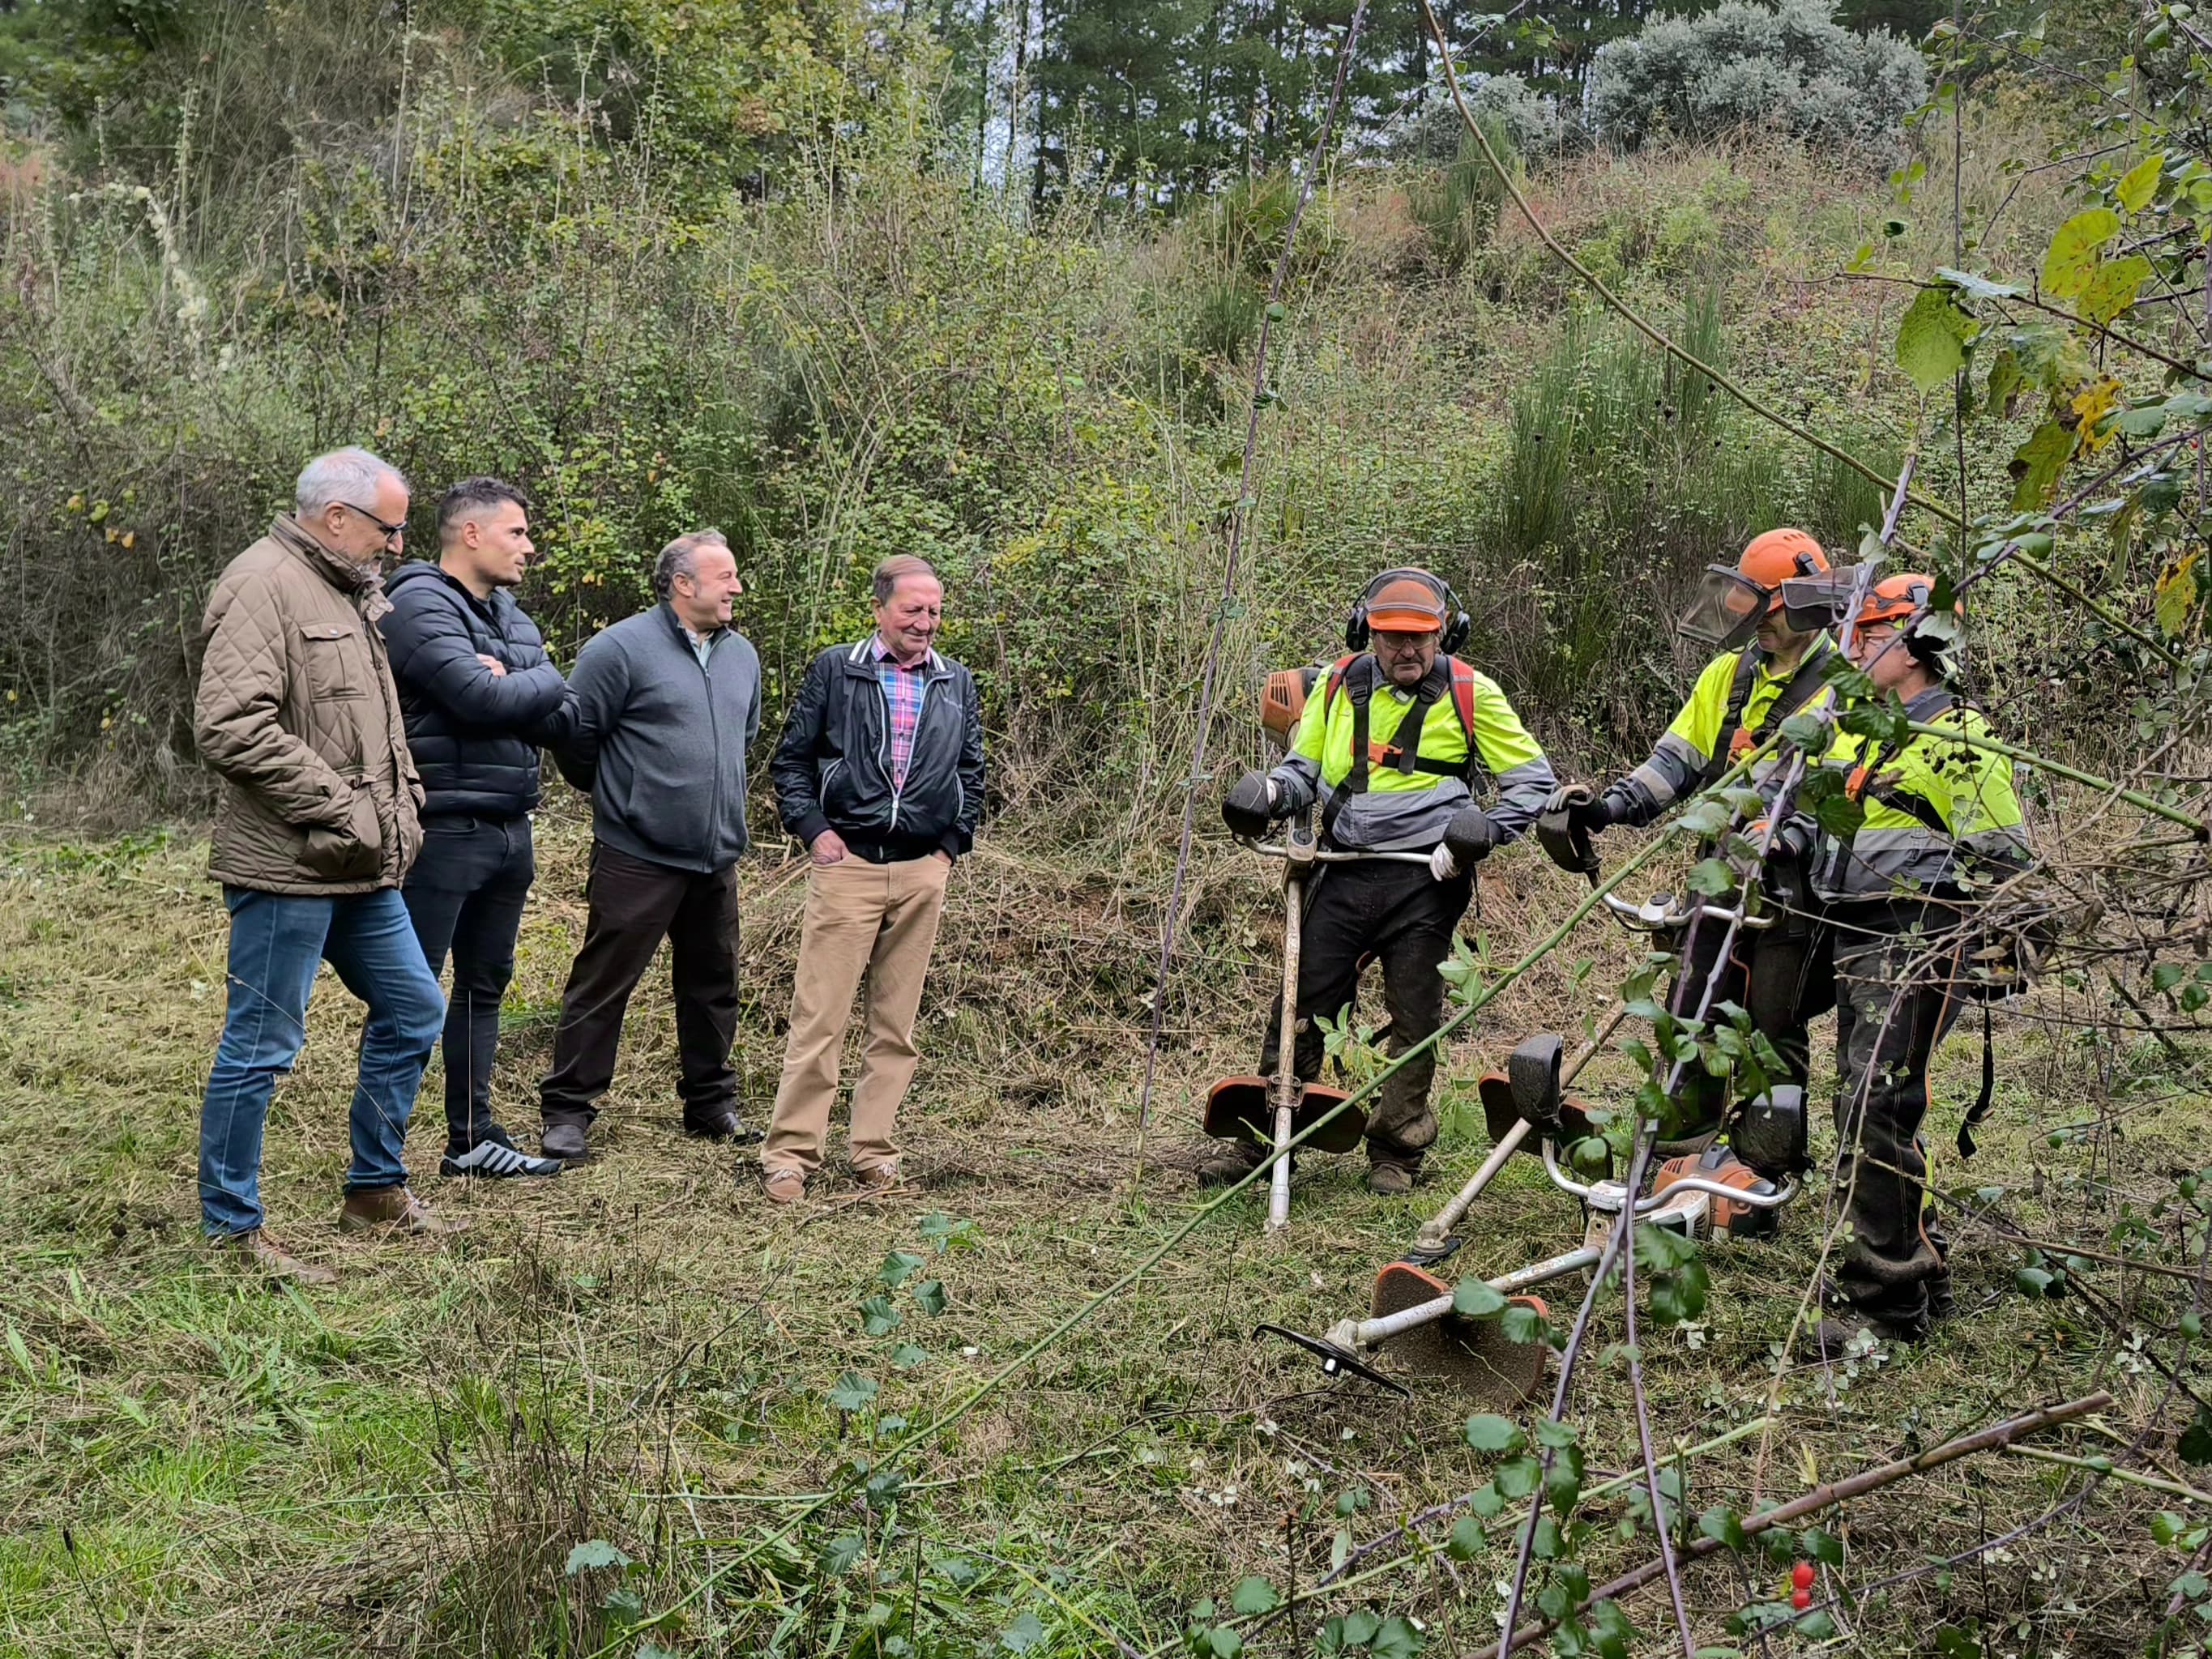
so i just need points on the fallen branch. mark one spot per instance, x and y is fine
(1827, 1496)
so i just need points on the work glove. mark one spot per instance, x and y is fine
(1249, 806)
(1442, 867)
(1585, 808)
(1468, 840)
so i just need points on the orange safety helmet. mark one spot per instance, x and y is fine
(1734, 597)
(1903, 599)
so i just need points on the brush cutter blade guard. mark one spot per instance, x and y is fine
(1501, 1110)
(1237, 1109)
(1472, 1354)
(1532, 1069)
(1334, 1361)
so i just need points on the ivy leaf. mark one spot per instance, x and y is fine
(2113, 288)
(906, 1356)
(1256, 1595)
(1712, 877)
(1025, 1633)
(1706, 818)
(1816, 1626)
(1562, 1483)
(877, 1317)
(1840, 816)
(1472, 1299)
(1931, 338)
(1487, 1501)
(1808, 731)
(1883, 723)
(853, 1392)
(1822, 1546)
(897, 1266)
(1466, 1539)
(1397, 1639)
(2036, 465)
(1494, 1434)
(1521, 1323)
(2140, 183)
(1723, 1525)
(2073, 254)
(929, 1297)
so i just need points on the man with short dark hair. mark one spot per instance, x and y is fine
(880, 775)
(666, 703)
(480, 696)
(297, 714)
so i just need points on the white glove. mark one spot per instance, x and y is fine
(1274, 790)
(1442, 867)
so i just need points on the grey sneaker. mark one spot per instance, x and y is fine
(492, 1161)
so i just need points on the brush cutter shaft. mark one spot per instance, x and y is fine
(1565, 1184)
(1335, 855)
(1652, 916)
(1286, 1076)
(1370, 1332)
(1438, 1227)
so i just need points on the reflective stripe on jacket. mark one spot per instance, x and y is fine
(1402, 811)
(1935, 810)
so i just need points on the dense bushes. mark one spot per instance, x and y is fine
(1792, 67)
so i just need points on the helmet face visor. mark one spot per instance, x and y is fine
(1810, 603)
(1727, 610)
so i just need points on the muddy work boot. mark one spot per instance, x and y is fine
(395, 1209)
(1839, 1338)
(272, 1261)
(1389, 1179)
(1231, 1163)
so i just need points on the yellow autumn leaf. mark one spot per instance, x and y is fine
(2090, 405)
(2141, 183)
(2177, 593)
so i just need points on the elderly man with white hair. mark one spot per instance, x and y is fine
(298, 714)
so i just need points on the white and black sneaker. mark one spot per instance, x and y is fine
(492, 1160)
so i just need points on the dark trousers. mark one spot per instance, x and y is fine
(1894, 1002)
(464, 895)
(1399, 915)
(1783, 976)
(633, 906)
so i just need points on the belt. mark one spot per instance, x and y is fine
(871, 852)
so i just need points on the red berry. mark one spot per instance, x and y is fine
(1801, 1576)
(1800, 1599)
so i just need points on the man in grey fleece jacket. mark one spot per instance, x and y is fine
(667, 702)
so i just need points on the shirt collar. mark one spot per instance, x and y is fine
(881, 652)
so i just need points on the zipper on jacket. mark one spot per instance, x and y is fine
(714, 738)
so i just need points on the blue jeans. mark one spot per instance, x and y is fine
(277, 942)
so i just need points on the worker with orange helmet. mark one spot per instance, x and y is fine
(1393, 744)
(1907, 896)
(1769, 667)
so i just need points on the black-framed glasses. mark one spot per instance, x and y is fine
(392, 532)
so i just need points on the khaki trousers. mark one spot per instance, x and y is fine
(875, 919)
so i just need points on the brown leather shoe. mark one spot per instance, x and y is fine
(397, 1207)
(878, 1177)
(273, 1260)
(785, 1186)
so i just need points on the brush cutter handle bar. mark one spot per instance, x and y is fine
(1652, 916)
(1337, 855)
(1683, 1186)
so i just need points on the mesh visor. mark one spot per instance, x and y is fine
(1810, 603)
(1727, 609)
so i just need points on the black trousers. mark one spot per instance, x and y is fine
(1895, 1000)
(634, 905)
(1783, 976)
(465, 895)
(1399, 915)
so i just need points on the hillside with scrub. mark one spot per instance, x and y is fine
(1157, 342)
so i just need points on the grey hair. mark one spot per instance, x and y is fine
(680, 558)
(899, 566)
(342, 477)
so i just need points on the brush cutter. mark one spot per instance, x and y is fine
(1278, 1109)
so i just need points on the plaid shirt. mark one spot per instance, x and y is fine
(903, 696)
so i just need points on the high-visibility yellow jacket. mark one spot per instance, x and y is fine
(1682, 761)
(1403, 809)
(1939, 810)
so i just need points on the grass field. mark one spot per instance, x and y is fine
(639, 1353)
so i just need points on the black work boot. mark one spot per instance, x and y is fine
(1387, 1180)
(1230, 1164)
(1831, 1339)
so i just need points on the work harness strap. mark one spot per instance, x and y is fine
(1735, 739)
(1357, 675)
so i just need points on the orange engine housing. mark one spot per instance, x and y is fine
(1283, 700)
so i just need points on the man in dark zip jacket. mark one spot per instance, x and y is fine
(880, 775)
(479, 695)
(666, 704)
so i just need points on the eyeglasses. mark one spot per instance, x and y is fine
(392, 532)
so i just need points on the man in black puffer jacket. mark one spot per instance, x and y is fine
(480, 696)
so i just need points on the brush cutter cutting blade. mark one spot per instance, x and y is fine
(1473, 1353)
(1421, 1256)
(1237, 1109)
(1334, 1361)
(1501, 1111)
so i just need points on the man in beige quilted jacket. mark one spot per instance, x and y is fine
(298, 714)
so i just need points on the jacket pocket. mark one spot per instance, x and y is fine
(352, 852)
(334, 656)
